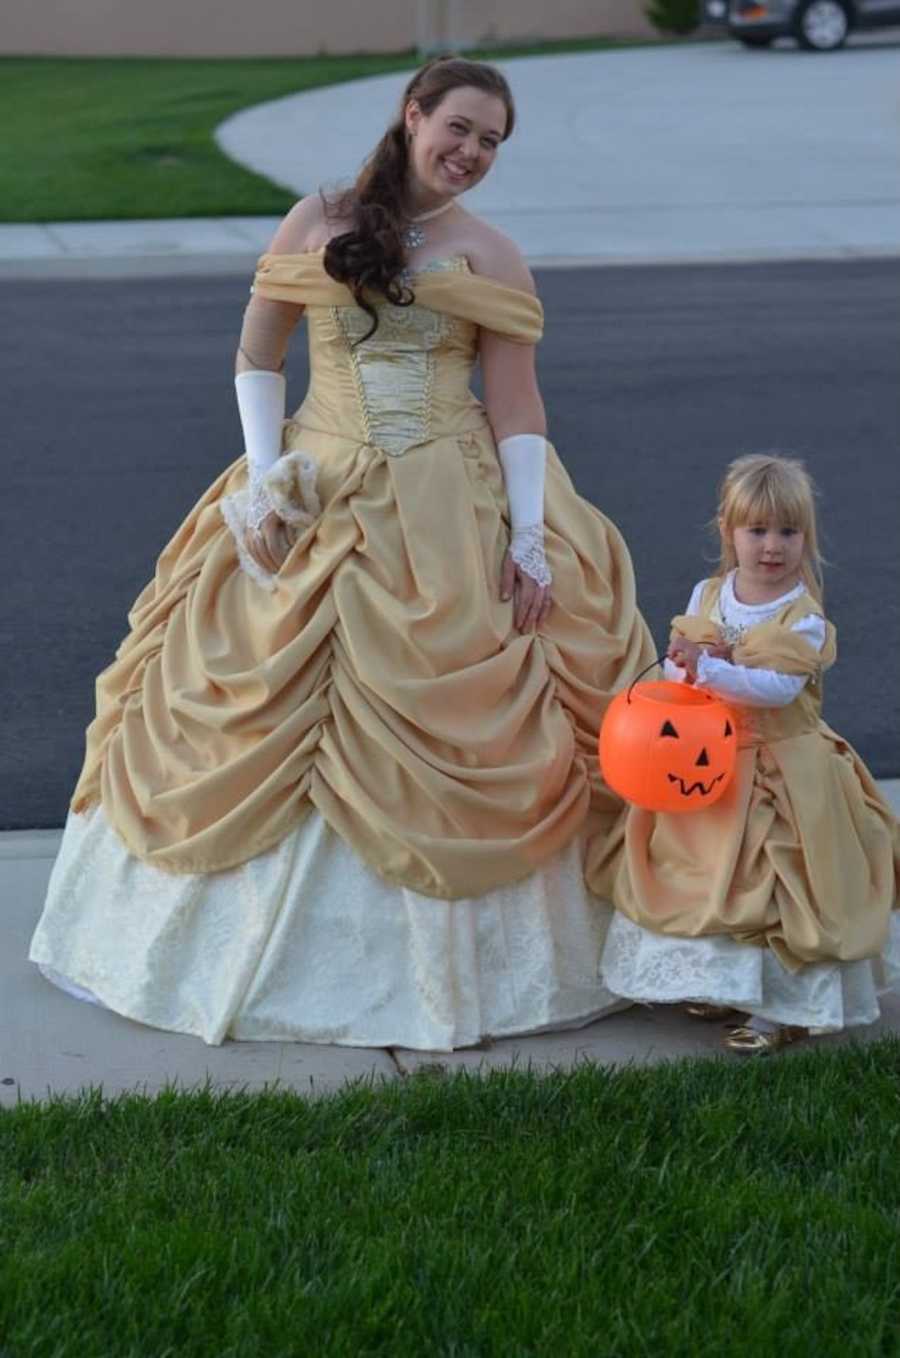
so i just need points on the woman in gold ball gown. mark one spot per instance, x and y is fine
(341, 785)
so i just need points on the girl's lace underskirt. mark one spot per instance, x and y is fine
(658, 969)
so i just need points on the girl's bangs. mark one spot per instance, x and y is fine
(771, 500)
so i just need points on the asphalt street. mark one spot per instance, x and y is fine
(119, 411)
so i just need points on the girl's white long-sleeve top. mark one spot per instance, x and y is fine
(738, 683)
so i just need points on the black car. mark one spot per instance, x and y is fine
(818, 25)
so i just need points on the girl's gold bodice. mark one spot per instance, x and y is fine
(770, 645)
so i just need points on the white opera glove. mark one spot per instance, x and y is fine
(283, 484)
(261, 398)
(524, 459)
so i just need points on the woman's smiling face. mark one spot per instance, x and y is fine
(452, 148)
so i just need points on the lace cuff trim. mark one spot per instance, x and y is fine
(235, 510)
(287, 489)
(291, 488)
(527, 551)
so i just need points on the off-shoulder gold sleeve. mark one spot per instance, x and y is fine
(299, 278)
(510, 312)
(695, 628)
(768, 646)
(774, 646)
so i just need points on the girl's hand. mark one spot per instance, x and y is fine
(531, 601)
(685, 654)
(270, 543)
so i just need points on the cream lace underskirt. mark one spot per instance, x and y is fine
(659, 969)
(307, 943)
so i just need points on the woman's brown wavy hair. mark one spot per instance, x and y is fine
(371, 256)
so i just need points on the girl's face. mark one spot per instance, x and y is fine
(769, 559)
(452, 148)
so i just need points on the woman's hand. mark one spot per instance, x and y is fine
(270, 542)
(531, 601)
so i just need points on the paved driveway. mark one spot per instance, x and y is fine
(698, 152)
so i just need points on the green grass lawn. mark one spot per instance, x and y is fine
(703, 1208)
(88, 139)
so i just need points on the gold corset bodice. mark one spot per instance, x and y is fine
(407, 383)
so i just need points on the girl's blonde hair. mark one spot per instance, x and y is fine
(765, 488)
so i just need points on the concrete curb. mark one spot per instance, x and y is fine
(200, 264)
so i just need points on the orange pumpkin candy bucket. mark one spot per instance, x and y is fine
(668, 747)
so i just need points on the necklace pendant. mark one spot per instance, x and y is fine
(413, 237)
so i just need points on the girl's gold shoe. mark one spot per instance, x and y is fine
(713, 1013)
(751, 1042)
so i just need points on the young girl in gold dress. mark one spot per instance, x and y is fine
(341, 785)
(776, 906)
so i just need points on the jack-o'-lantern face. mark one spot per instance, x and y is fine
(668, 747)
(694, 774)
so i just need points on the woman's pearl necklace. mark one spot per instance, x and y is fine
(413, 235)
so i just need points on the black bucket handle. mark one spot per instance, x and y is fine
(658, 661)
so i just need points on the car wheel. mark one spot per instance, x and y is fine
(822, 25)
(754, 39)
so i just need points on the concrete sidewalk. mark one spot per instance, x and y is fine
(705, 152)
(53, 1044)
(660, 154)
(157, 248)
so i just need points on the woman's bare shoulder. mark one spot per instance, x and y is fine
(494, 255)
(307, 227)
